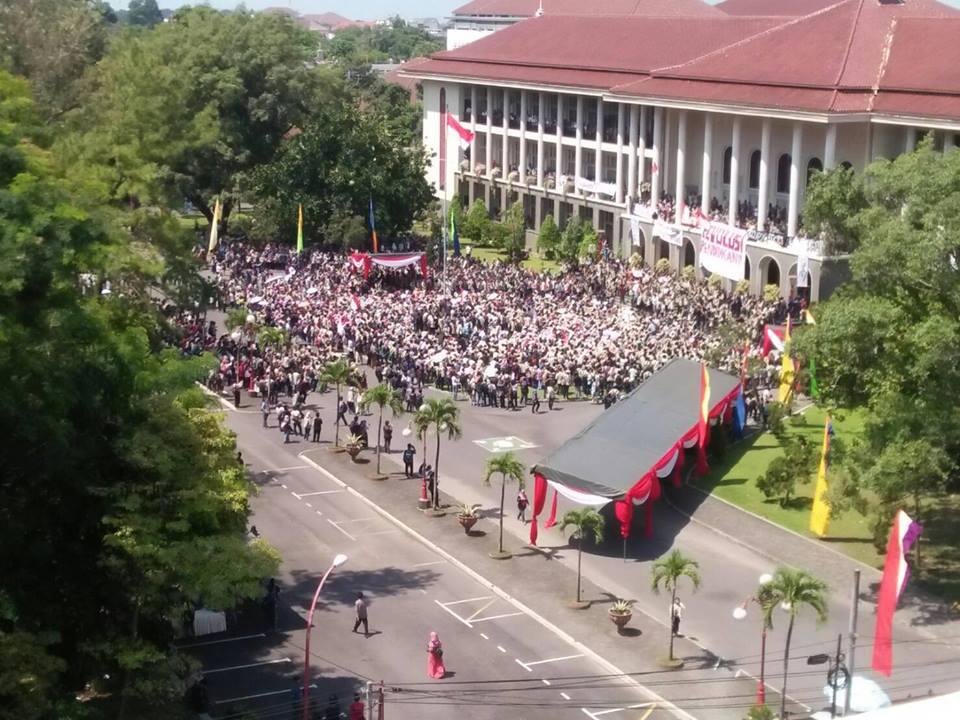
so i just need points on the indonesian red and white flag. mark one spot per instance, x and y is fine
(465, 136)
(355, 301)
(903, 535)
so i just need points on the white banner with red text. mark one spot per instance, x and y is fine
(723, 250)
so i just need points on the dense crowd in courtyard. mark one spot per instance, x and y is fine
(500, 334)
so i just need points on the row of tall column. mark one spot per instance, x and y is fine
(630, 135)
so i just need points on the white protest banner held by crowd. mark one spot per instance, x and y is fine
(723, 250)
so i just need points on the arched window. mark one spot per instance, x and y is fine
(783, 173)
(727, 160)
(846, 165)
(755, 170)
(813, 166)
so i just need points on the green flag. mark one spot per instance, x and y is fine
(814, 388)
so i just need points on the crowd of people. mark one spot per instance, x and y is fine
(499, 334)
(747, 217)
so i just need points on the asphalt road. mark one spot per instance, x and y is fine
(414, 592)
(493, 659)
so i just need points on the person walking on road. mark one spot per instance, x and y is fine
(265, 411)
(317, 427)
(676, 613)
(387, 436)
(342, 413)
(522, 503)
(408, 456)
(307, 425)
(361, 606)
(357, 709)
(435, 668)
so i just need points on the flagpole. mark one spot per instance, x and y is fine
(445, 219)
(852, 649)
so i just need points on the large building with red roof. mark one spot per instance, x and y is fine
(648, 124)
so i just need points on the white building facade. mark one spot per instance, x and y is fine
(646, 167)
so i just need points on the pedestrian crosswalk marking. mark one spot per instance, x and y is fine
(504, 444)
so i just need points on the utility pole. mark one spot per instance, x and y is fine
(836, 676)
(368, 698)
(852, 639)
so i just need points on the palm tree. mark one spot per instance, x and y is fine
(444, 417)
(585, 523)
(667, 572)
(338, 373)
(794, 589)
(510, 468)
(383, 396)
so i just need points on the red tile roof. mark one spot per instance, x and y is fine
(784, 8)
(528, 8)
(850, 56)
(623, 44)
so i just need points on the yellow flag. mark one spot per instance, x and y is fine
(820, 513)
(787, 369)
(214, 228)
(300, 230)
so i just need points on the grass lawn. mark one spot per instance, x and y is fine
(535, 263)
(734, 479)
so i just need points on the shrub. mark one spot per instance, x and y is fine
(663, 266)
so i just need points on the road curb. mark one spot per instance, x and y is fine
(547, 624)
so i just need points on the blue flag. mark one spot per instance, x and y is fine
(739, 414)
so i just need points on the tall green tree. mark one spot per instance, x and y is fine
(443, 417)
(889, 340)
(384, 397)
(338, 373)
(795, 590)
(192, 107)
(344, 157)
(587, 523)
(512, 238)
(52, 43)
(548, 238)
(666, 573)
(509, 467)
(143, 13)
(144, 506)
(476, 223)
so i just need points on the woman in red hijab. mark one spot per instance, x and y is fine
(435, 668)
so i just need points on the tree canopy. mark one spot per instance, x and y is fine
(396, 42)
(889, 340)
(119, 483)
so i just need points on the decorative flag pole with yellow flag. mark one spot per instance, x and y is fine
(820, 513)
(300, 229)
(814, 387)
(214, 228)
(787, 370)
(703, 420)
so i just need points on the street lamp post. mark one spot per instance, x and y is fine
(339, 560)
(739, 613)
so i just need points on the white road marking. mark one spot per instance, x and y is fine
(222, 640)
(318, 492)
(483, 635)
(492, 601)
(258, 695)
(244, 667)
(319, 513)
(500, 649)
(476, 599)
(454, 614)
(284, 486)
(493, 587)
(383, 532)
(341, 529)
(544, 681)
(432, 562)
(520, 663)
(308, 505)
(556, 659)
(564, 696)
(495, 617)
(292, 467)
(598, 713)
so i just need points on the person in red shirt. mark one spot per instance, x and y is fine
(357, 709)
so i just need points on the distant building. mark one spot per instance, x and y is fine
(328, 24)
(480, 18)
(654, 127)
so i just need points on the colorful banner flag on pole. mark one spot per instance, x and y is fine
(454, 233)
(814, 387)
(214, 228)
(373, 230)
(787, 369)
(703, 422)
(896, 572)
(300, 229)
(820, 513)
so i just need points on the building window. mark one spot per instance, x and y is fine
(609, 174)
(611, 121)
(846, 165)
(755, 170)
(648, 129)
(783, 173)
(467, 105)
(727, 161)
(813, 166)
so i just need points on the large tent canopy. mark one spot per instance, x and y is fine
(625, 451)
